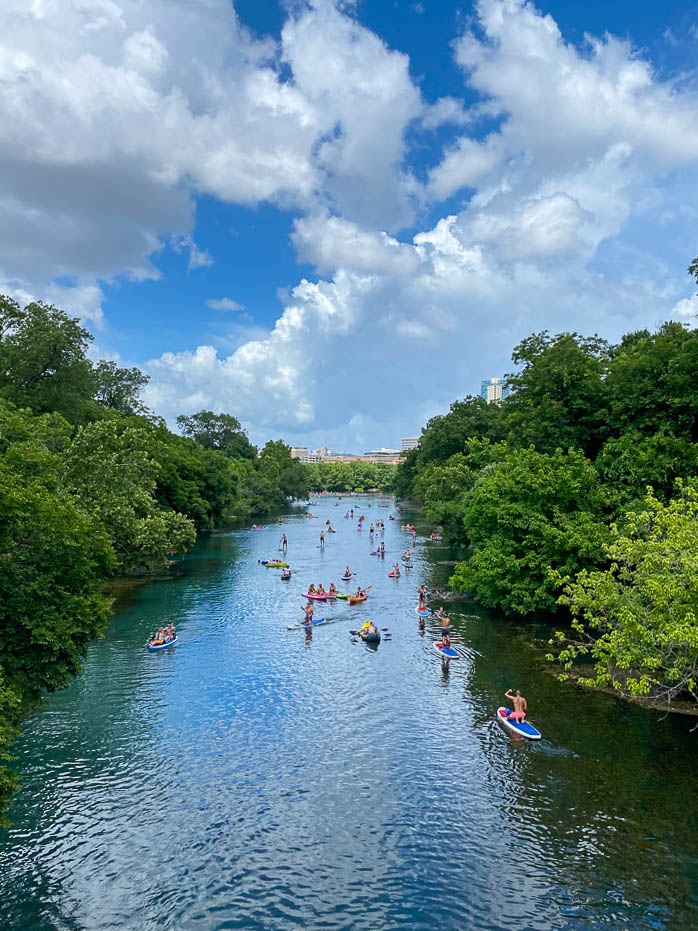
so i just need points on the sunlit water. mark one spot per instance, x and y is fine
(261, 778)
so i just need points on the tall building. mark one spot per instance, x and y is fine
(410, 442)
(299, 452)
(493, 390)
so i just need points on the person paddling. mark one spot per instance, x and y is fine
(520, 705)
(308, 619)
(347, 573)
(445, 622)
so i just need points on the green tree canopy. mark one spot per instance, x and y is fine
(637, 619)
(222, 432)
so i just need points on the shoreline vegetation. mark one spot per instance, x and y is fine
(576, 499)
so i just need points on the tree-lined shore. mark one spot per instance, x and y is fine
(577, 498)
(93, 486)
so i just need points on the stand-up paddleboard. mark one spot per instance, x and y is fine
(346, 578)
(316, 621)
(154, 647)
(423, 612)
(522, 728)
(393, 575)
(447, 652)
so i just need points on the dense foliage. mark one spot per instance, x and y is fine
(353, 477)
(547, 495)
(92, 486)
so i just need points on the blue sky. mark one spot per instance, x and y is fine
(332, 219)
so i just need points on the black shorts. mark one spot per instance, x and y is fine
(445, 631)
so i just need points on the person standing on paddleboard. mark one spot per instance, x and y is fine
(445, 622)
(284, 542)
(322, 539)
(520, 705)
(421, 591)
(308, 619)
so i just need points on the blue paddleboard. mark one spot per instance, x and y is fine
(448, 652)
(522, 728)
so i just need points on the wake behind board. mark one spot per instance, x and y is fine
(447, 652)
(522, 728)
(316, 621)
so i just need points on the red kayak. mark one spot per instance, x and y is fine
(354, 601)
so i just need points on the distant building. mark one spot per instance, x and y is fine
(410, 442)
(494, 390)
(381, 455)
(299, 452)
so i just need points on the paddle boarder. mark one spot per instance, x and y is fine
(520, 705)
(284, 542)
(445, 622)
(308, 619)
(322, 539)
(421, 591)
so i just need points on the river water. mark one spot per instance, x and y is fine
(260, 778)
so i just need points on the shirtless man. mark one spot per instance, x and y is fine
(308, 619)
(322, 539)
(170, 631)
(421, 591)
(520, 705)
(445, 622)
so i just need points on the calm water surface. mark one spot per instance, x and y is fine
(261, 778)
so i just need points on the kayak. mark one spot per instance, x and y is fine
(154, 646)
(367, 637)
(285, 578)
(274, 564)
(423, 612)
(316, 621)
(522, 728)
(353, 600)
(317, 597)
(448, 652)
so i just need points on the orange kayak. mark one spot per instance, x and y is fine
(354, 601)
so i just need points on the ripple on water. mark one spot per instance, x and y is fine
(256, 777)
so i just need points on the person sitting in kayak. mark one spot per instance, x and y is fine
(311, 589)
(371, 628)
(445, 621)
(359, 593)
(170, 631)
(520, 705)
(333, 589)
(159, 637)
(320, 590)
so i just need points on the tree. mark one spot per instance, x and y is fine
(119, 388)
(43, 361)
(558, 399)
(112, 468)
(637, 619)
(217, 431)
(528, 514)
(652, 383)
